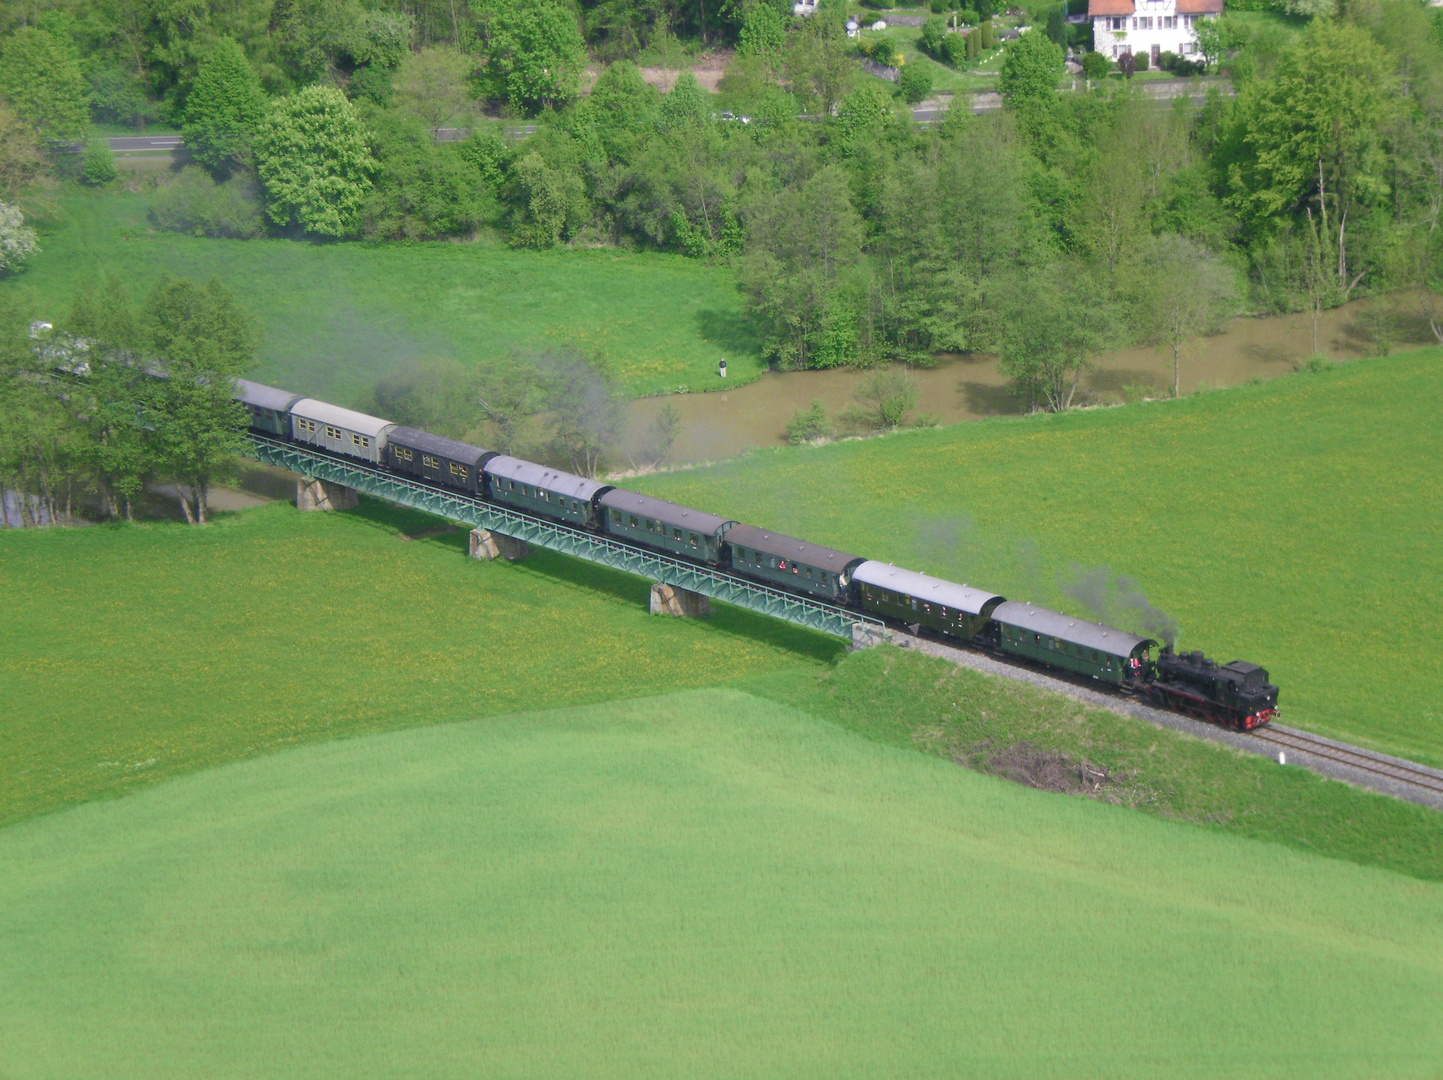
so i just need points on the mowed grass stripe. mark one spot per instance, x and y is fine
(1296, 524)
(702, 884)
(135, 653)
(339, 316)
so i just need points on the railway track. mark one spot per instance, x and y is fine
(1352, 756)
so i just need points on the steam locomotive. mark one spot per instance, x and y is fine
(1237, 695)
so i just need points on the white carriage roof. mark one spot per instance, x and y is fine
(542, 476)
(933, 590)
(1090, 635)
(325, 413)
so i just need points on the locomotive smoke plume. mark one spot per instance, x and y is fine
(1119, 601)
(944, 538)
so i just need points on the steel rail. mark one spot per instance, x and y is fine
(1352, 756)
(568, 540)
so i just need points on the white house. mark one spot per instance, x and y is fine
(1148, 26)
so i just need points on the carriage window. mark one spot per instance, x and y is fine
(332, 433)
(695, 540)
(615, 518)
(634, 523)
(458, 470)
(361, 441)
(402, 454)
(430, 462)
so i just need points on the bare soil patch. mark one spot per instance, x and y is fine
(1046, 770)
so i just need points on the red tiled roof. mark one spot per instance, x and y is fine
(1199, 7)
(1111, 7)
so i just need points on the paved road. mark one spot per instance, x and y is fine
(130, 144)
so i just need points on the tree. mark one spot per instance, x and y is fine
(584, 408)
(434, 85)
(21, 162)
(803, 257)
(17, 240)
(1055, 324)
(884, 399)
(40, 73)
(1216, 37)
(98, 165)
(1311, 133)
(1186, 291)
(1095, 66)
(819, 68)
(536, 54)
(764, 30)
(313, 159)
(225, 106)
(915, 82)
(1028, 80)
(423, 188)
(687, 103)
(204, 341)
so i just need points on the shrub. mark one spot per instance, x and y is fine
(99, 164)
(195, 204)
(934, 33)
(989, 35)
(1095, 66)
(968, 18)
(809, 425)
(1141, 60)
(940, 7)
(883, 52)
(915, 83)
(954, 48)
(1167, 61)
(974, 45)
(1127, 64)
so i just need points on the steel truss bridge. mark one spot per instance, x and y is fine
(566, 539)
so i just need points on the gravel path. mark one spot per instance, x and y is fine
(1360, 777)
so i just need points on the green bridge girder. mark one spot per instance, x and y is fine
(578, 543)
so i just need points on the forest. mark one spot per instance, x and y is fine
(1061, 225)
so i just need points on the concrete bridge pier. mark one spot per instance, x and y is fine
(865, 635)
(489, 545)
(314, 494)
(683, 603)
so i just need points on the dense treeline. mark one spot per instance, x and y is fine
(121, 397)
(1067, 224)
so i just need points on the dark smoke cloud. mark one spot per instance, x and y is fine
(1118, 601)
(946, 540)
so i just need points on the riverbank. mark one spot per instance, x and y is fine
(722, 424)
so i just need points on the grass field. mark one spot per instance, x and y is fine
(1297, 524)
(338, 316)
(136, 654)
(703, 884)
(132, 654)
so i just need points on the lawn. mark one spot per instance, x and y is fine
(1297, 524)
(135, 653)
(339, 316)
(702, 884)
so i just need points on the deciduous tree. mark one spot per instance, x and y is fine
(314, 159)
(17, 240)
(204, 341)
(40, 73)
(1186, 291)
(536, 55)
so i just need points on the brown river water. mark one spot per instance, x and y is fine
(724, 423)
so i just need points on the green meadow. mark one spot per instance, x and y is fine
(339, 316)
(698, 884)
(131, 654)
(137, 654)
(1297, 524)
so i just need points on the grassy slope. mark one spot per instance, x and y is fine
(907, 699)
(136, 654)
(1297, 524)
(133, 654)
(697, 885)
(338, 316)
